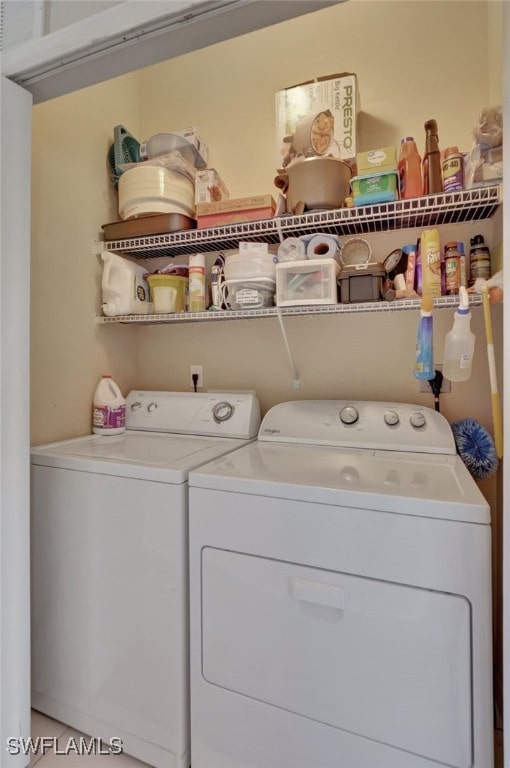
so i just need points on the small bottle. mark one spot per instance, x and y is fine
(432, 178)
(108, 409)
(479, 260)
(424, 365)
(409, 169)
(196, 299)
(452, 268)
(463, 265)
(459, 343)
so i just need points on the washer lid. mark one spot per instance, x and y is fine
(143, 455)
(425, 485)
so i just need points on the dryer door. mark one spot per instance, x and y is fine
(384, 661)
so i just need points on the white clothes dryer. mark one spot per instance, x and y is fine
(110, 605)
(340, 587)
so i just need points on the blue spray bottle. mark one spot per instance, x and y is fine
(424, 366)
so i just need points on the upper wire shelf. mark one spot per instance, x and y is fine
(433, 210)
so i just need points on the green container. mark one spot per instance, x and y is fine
(376, 188)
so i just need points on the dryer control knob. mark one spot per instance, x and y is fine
(349, 415)
(391, 418)
(152, 407)
(136, 406)
(417, 419)
(222, 411)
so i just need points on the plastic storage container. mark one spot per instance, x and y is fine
(306, 282)
(379, 188)
(361, 282)
(108, 409)
(124, 287)
(248, 293)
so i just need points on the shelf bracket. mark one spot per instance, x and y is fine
(297, 380)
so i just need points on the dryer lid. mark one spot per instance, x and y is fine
(425, 485)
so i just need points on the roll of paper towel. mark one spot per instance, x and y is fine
(292, 249)
(323, 247)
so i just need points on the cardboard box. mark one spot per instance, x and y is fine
(193, 136)
(234, 217)
(209, 187)
(377, 160)
(236, 204)
(318, 117)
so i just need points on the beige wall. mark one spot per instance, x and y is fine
(406, 75)
(71, 199)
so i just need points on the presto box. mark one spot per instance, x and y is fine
(318, 118)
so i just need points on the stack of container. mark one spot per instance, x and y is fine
(377, 180)
(250, 277)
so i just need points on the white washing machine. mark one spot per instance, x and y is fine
(340, 587)
(110, 605)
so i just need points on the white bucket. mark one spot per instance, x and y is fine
(125, 290)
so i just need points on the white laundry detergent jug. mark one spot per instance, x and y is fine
(108, 409)
(125, 290)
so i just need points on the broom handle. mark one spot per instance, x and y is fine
(496, 405)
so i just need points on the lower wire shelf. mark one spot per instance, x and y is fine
(444, 302)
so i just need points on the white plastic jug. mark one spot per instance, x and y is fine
(109, 408)
(125, 290)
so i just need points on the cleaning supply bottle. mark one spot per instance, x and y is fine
(125, 290)
(196, 299)
(430, 253)
(459, 343)
(424, 366)
(409, 169)
(109, 408)
(432, 176)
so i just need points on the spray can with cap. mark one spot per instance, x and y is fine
(459, 343)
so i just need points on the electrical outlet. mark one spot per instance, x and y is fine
(198, 371)
(446, 384)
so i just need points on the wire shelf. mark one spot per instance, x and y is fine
(434, 210)
(444, 302)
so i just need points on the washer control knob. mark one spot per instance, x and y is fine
(136, 406)
(349, 415)
(417, 419)
(391, 418)
(152, 407)
(222, 411)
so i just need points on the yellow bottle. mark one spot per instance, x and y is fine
(431, 263)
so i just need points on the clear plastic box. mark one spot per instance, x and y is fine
(310, 281)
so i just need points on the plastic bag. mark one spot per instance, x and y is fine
(484, 163)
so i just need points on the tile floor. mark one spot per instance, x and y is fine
(45, 726)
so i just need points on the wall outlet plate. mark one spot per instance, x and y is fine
(446, 385)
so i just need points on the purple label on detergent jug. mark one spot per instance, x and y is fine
(107, 417)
